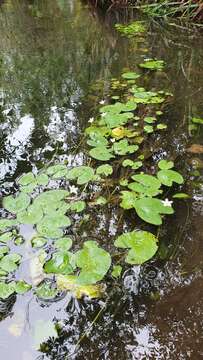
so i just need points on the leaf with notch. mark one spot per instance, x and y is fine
(167, 177)
(142, 245)
(94, 263)
(150, 210)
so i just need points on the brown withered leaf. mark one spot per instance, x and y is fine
(195, 149)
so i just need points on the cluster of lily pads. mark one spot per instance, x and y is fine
(114, 137)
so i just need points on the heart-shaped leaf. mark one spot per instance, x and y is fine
(16, 204)
(94, 263)
(142, 245)
(150, 210)
(167, 177)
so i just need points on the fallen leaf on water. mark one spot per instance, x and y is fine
(195, 149)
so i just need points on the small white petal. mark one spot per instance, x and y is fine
(103, 114)
(112, 140)
(91, 120)
(167, 202)
(102, 102)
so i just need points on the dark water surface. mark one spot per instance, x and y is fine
(56, 62)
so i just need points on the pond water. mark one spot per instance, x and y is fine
(57, 59)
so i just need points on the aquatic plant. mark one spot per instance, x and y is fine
(116, 136)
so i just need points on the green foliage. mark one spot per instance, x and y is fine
(150, 210)
(46, 291)
(101, 153)
(167, 177)
(6, 289)
(16, 204)
(142, 245)
(10, 262)
(116, 272)
(122, 147)
(165, 164)
(104, 170)
(130, 75)
(22, 287)
(132, 29)
(60, 263)
(197, 120)
(152, 64)
(63, 244)
(94, 263)
(83, 174)
(38, 241)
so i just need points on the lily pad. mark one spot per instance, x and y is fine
(6, 289)
(78, 206)
(150, 210)
(46, 290)
(153, 64)
(26, 179)
(60, 263)
(69, 282)
(165, 164)
(16, 204)
(83, 174)
(57, 171)
(101, 153)
(51, 225)
(10, 262)
(130, 75)
(104, 170)
(6, 237)
(22, 287)
(142, 245)
(38, 241)
(32, 215)
(167, 177)
(94, 263)
(63, 244)
(122, 147)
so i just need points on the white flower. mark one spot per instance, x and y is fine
(102, 102)
(91, 120)
(103, 114)
(167, 202)
(73, 189)
(112, 140)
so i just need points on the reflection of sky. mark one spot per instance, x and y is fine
(15, 145)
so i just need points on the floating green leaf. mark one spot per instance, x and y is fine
(130, 75)
(167, 177)
(94, 263)
(46, 291)
(101, 153)
(16, 204)
(122, 147)
(26, 179)
(128, 199)
(148, 129)
(181, 196)
(150, 210)
(197, 120)
(83, 174)
(42, 179)
(57, 171)
(152, 64)
(142, 245)
(60, 263)
(6, 237)
(63, 244)
(69, 282)
(22, 287)
(116, 272)
(51, 225)
(165, 164)
(78, 206)
(6, 289)
(38, 241)
(3, 251)
(10, 262)
(104, 170)
(32, 215)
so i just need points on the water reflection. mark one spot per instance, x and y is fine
(57, 58)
